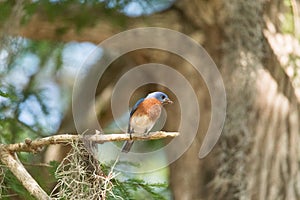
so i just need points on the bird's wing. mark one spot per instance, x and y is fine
(135, 106)
(132, 111)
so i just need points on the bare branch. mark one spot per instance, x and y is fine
(38, 144)
(16, 167)
(121, 137)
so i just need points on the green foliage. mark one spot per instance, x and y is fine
(138, 189)
(81, 14)
(34, 62)
(13, 130)
(13, 186)
(52, 169)
(74, 13)
(15, 94)
(45, 51)
(134, 188)
(4, 94)
(5, 10)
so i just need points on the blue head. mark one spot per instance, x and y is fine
(162, 97)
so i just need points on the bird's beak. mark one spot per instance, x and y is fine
(167, 101)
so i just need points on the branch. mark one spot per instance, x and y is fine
(8, 157)
(61, 28)
(37, 145)
(13, 163)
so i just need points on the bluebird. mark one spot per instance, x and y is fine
(144, 114)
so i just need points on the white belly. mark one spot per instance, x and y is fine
(141, 124)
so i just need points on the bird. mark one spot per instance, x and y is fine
(144, 115)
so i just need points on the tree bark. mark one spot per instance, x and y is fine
(262, 117)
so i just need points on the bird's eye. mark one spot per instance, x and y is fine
(163, 97)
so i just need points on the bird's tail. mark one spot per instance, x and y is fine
(127, 146)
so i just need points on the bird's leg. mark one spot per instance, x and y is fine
(130, 133)
(146, 132)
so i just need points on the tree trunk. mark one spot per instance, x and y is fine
(257, 155)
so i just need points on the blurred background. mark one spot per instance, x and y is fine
(255, 45)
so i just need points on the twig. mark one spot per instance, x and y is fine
(37, 164)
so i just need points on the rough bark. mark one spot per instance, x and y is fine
(262, 118)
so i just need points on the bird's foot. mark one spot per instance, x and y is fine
(146, 134)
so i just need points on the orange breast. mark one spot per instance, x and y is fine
(150, 107)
